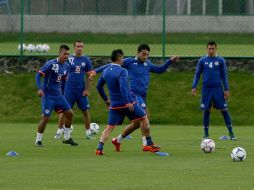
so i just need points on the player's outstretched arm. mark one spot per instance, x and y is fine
(98, 70)
(162, 68)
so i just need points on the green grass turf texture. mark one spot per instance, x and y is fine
(182, 44)
(60, 166)
(188, 50)
(169, 100)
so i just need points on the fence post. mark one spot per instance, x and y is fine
(21, 29)
(163, 28)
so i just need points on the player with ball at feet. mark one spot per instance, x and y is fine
(214, 71)
(122, 103)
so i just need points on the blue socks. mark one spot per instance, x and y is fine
(100, 146)
(227, 121)
(149, 141)
(206, 120)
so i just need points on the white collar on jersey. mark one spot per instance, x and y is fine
(115, 64)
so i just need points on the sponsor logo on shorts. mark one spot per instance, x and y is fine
(46, 111)
(202, 105)
(143, 105)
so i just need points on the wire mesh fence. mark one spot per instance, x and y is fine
(180, 27)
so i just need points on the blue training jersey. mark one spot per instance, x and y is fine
(139, 73)
(79, 66)
(116, 79)
(214, 71)
(54, 72)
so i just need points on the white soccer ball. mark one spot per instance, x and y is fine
(24, 47)
(30, 48)
(94, 128)
(38, 48)
(45, 48)
(207, 145)
(238, 154)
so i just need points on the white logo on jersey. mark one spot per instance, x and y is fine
(71, 60)
(65, 72)
(78, 69)
(206, 63)
(59, 77)
(135, 63)
(83, 64)
(55, 68)
(145, 64)
(216, 63)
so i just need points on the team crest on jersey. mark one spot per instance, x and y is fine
(145, 64)
(216, 63)
(83, 64)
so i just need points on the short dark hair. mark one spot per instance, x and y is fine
(63, 47)
(115, 54)
(77, 41)
(212, 43)
(143, 46)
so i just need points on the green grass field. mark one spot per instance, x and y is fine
(182, 44)
(169, 100)
(226, 50)
(59, 166)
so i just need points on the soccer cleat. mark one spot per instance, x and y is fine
(99, 152)
(116, 144)
(57, 136)
(151, 148)
(38, 144)
(233, 137)
(70, 141)
(205, 137)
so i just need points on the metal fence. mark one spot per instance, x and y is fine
(179, 27)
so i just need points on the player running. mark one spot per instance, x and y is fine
(54, 71)
(76, 89)
(122, 103)
(139, 69)
(214, 71)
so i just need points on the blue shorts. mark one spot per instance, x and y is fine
(213, 97)
(73, 95)
(116, 116)
(58, 103)
(141, 101)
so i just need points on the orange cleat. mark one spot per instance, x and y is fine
(116, 144)
(151, 148)
(99, 152)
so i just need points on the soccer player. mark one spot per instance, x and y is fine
(139, 69)
(122, 103)
(76, 90)
(54, 72)
(214, 70)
